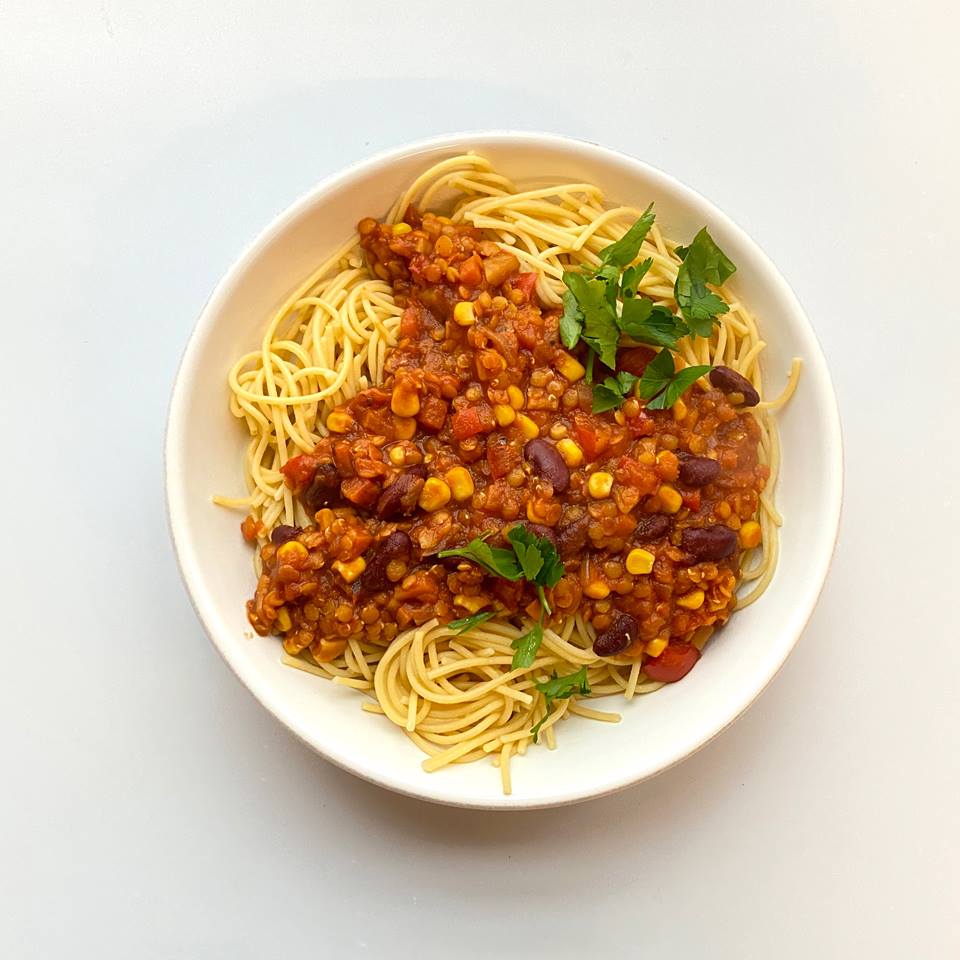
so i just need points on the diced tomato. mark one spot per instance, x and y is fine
(691, 500)
(378, 421)
(433, 414)
(251, 528)
(676, 661)
(525, 282)
(471, 421)
(410, 322)
(363, 493)
(642, 425)
(471, 271)
(343, 457)
(502, 456)
(591, 443)
(640, 477)
(635, 359)
(299, 471)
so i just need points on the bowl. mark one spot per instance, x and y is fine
(204, 444)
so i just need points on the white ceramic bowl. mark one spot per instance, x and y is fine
(203, 455)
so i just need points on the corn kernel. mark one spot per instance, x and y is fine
(339, 421)
(434, 495)
(692, 600)
(470, 604)
(505, 415)
(527, 427)
(404, 402)
(750, 535)
(639, 561)
(679, 410)
(350, 571)
(570, 367)
(656, 646)
(399, 229)
(571, 453)
(397, 456)
(463, 313)
(292, 552)
(516, 397)
(600, 484)
(670, 498)
(404, 427)
(597, 590)
(283, 620)
(461, 483)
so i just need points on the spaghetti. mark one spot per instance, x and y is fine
(456, 695)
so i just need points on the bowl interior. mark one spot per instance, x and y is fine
(205, 445)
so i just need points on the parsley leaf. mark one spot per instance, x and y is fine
(496, 560)
(560, 688)
(599, 329)
(631, 278)
(661, 387)
(613, 391)
(703, 262)
(538, 557)
(625, 250)
(468, 623)
(646, 322)
(571, 323)
(685, 378)
(657, 375)
(526, 647)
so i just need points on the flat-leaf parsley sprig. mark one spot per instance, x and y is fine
(591, 314)
(560, 688)
(532, 558)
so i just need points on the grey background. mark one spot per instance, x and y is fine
(149, 807)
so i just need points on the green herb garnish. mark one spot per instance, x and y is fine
(646, 322)
(703, 262)
(602, 303)
(661, 387)
(495, 560)
(625, 250)
(531, 558)
(468, 623)
(526, 647)
(631, 278)
(538, 559)
(560, 688)
(599, 328)
(613, 391)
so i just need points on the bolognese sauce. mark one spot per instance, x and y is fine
(484, 421)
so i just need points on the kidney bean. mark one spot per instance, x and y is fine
(401, 496)
(283, 533)
(651, 528)
(397, 546)
(548, 463)
(572, 537)
(617, 637)
(698, 471)
(709, 543)
(729, 381)
(323, 489)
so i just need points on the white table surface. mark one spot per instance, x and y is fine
(149, 807)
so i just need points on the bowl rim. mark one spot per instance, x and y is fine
(178, 412)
